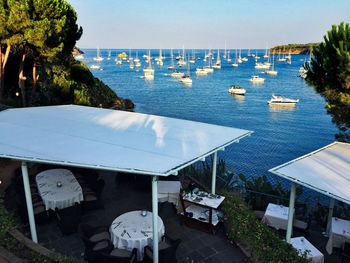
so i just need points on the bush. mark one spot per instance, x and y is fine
(263, 244)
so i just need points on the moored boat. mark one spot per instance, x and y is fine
(280, 100)
(237, 90)
(257, 79)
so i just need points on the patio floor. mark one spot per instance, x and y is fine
(129, 193)
(124, 195)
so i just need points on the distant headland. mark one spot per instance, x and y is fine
(293, 48)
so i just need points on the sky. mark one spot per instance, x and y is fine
(205, 24)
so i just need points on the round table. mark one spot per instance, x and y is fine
(132, 230)
(58, 197)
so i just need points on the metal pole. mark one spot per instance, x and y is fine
(155, 217)
(330, 215)
(291, 212)
(213, 176)
(29, 202)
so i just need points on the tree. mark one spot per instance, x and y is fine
(329, 73)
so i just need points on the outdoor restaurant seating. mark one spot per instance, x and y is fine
(167, 251)
(69, 218)
(96, 240)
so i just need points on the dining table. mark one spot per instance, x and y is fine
(276, 216)
(134, 230)
(58, 188)
(302, 245)
(339, 233)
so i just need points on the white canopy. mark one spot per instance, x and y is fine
(326, 170)
(108, 139)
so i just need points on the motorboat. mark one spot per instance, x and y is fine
(262, 65)
(271, 72)
(257, 79)
(208, 69)
(95, 66)
(278, 99)
(236, 90)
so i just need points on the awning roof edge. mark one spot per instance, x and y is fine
(295, 180)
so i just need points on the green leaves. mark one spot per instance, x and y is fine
(329, 72)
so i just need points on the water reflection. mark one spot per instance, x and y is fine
(282, 107)
(238, 97)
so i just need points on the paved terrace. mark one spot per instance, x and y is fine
(123, 195)
(132, 192)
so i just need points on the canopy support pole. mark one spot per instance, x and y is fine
(291, 212)
(155, 217)
(330, 215)
(29, 202)
(213, 176)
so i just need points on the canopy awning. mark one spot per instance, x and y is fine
(109, 139)
(326, 170)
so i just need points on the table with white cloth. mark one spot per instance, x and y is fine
(302, 245)
(132, 230)
(339, 233)
(276, 216)
(58, 188)
(168, 191)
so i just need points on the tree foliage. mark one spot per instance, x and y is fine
(329, 73)
(41, 69)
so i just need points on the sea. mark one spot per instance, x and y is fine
(280, 133)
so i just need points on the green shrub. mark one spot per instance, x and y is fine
(263, 244)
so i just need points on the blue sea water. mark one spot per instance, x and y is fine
(280, 133)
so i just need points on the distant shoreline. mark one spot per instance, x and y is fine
(293, 48)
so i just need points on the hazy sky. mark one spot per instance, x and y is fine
(204, 23)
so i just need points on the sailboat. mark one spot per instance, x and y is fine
(218, 61)
(182, 61)
(130, 57)
(239, 60)
(228, 56)
(109, 55)
(235, 64)
(186, 79)
(209, 67)
(281, 58)
(98, 57)
(148, 72)
(137, 60)
(266, 52)
(224, 56)
(160, 58)
(131, 64)
(272, 71)
(193, 59)
(171, 67)
(289, 57)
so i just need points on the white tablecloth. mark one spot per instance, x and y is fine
(58, 197)
(276, 216)
(168, 191)
(339, 233)
(204, 198)
(131, 230)
(301, 244)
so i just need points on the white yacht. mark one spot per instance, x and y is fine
(236, 90)
(278, 99)
(257, 79)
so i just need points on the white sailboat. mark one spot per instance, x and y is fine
(209, 67)
(148, 72)
(228, 56)
(266, 52)
(171, 66)
(98, 57)
(218, 61)
(281, 58)
(235, 64)
(257, 80)
(182, 60)
(186, 79)
(137, 60)
(109, 55)
(224, 56)
(193, 59)
(272, 71)
(239, 60)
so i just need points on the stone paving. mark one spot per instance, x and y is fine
(123, 195)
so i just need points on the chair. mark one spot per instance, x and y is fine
(118, 255)
(167, 251)
(69, 218)
(96, 240)
(345, 253)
